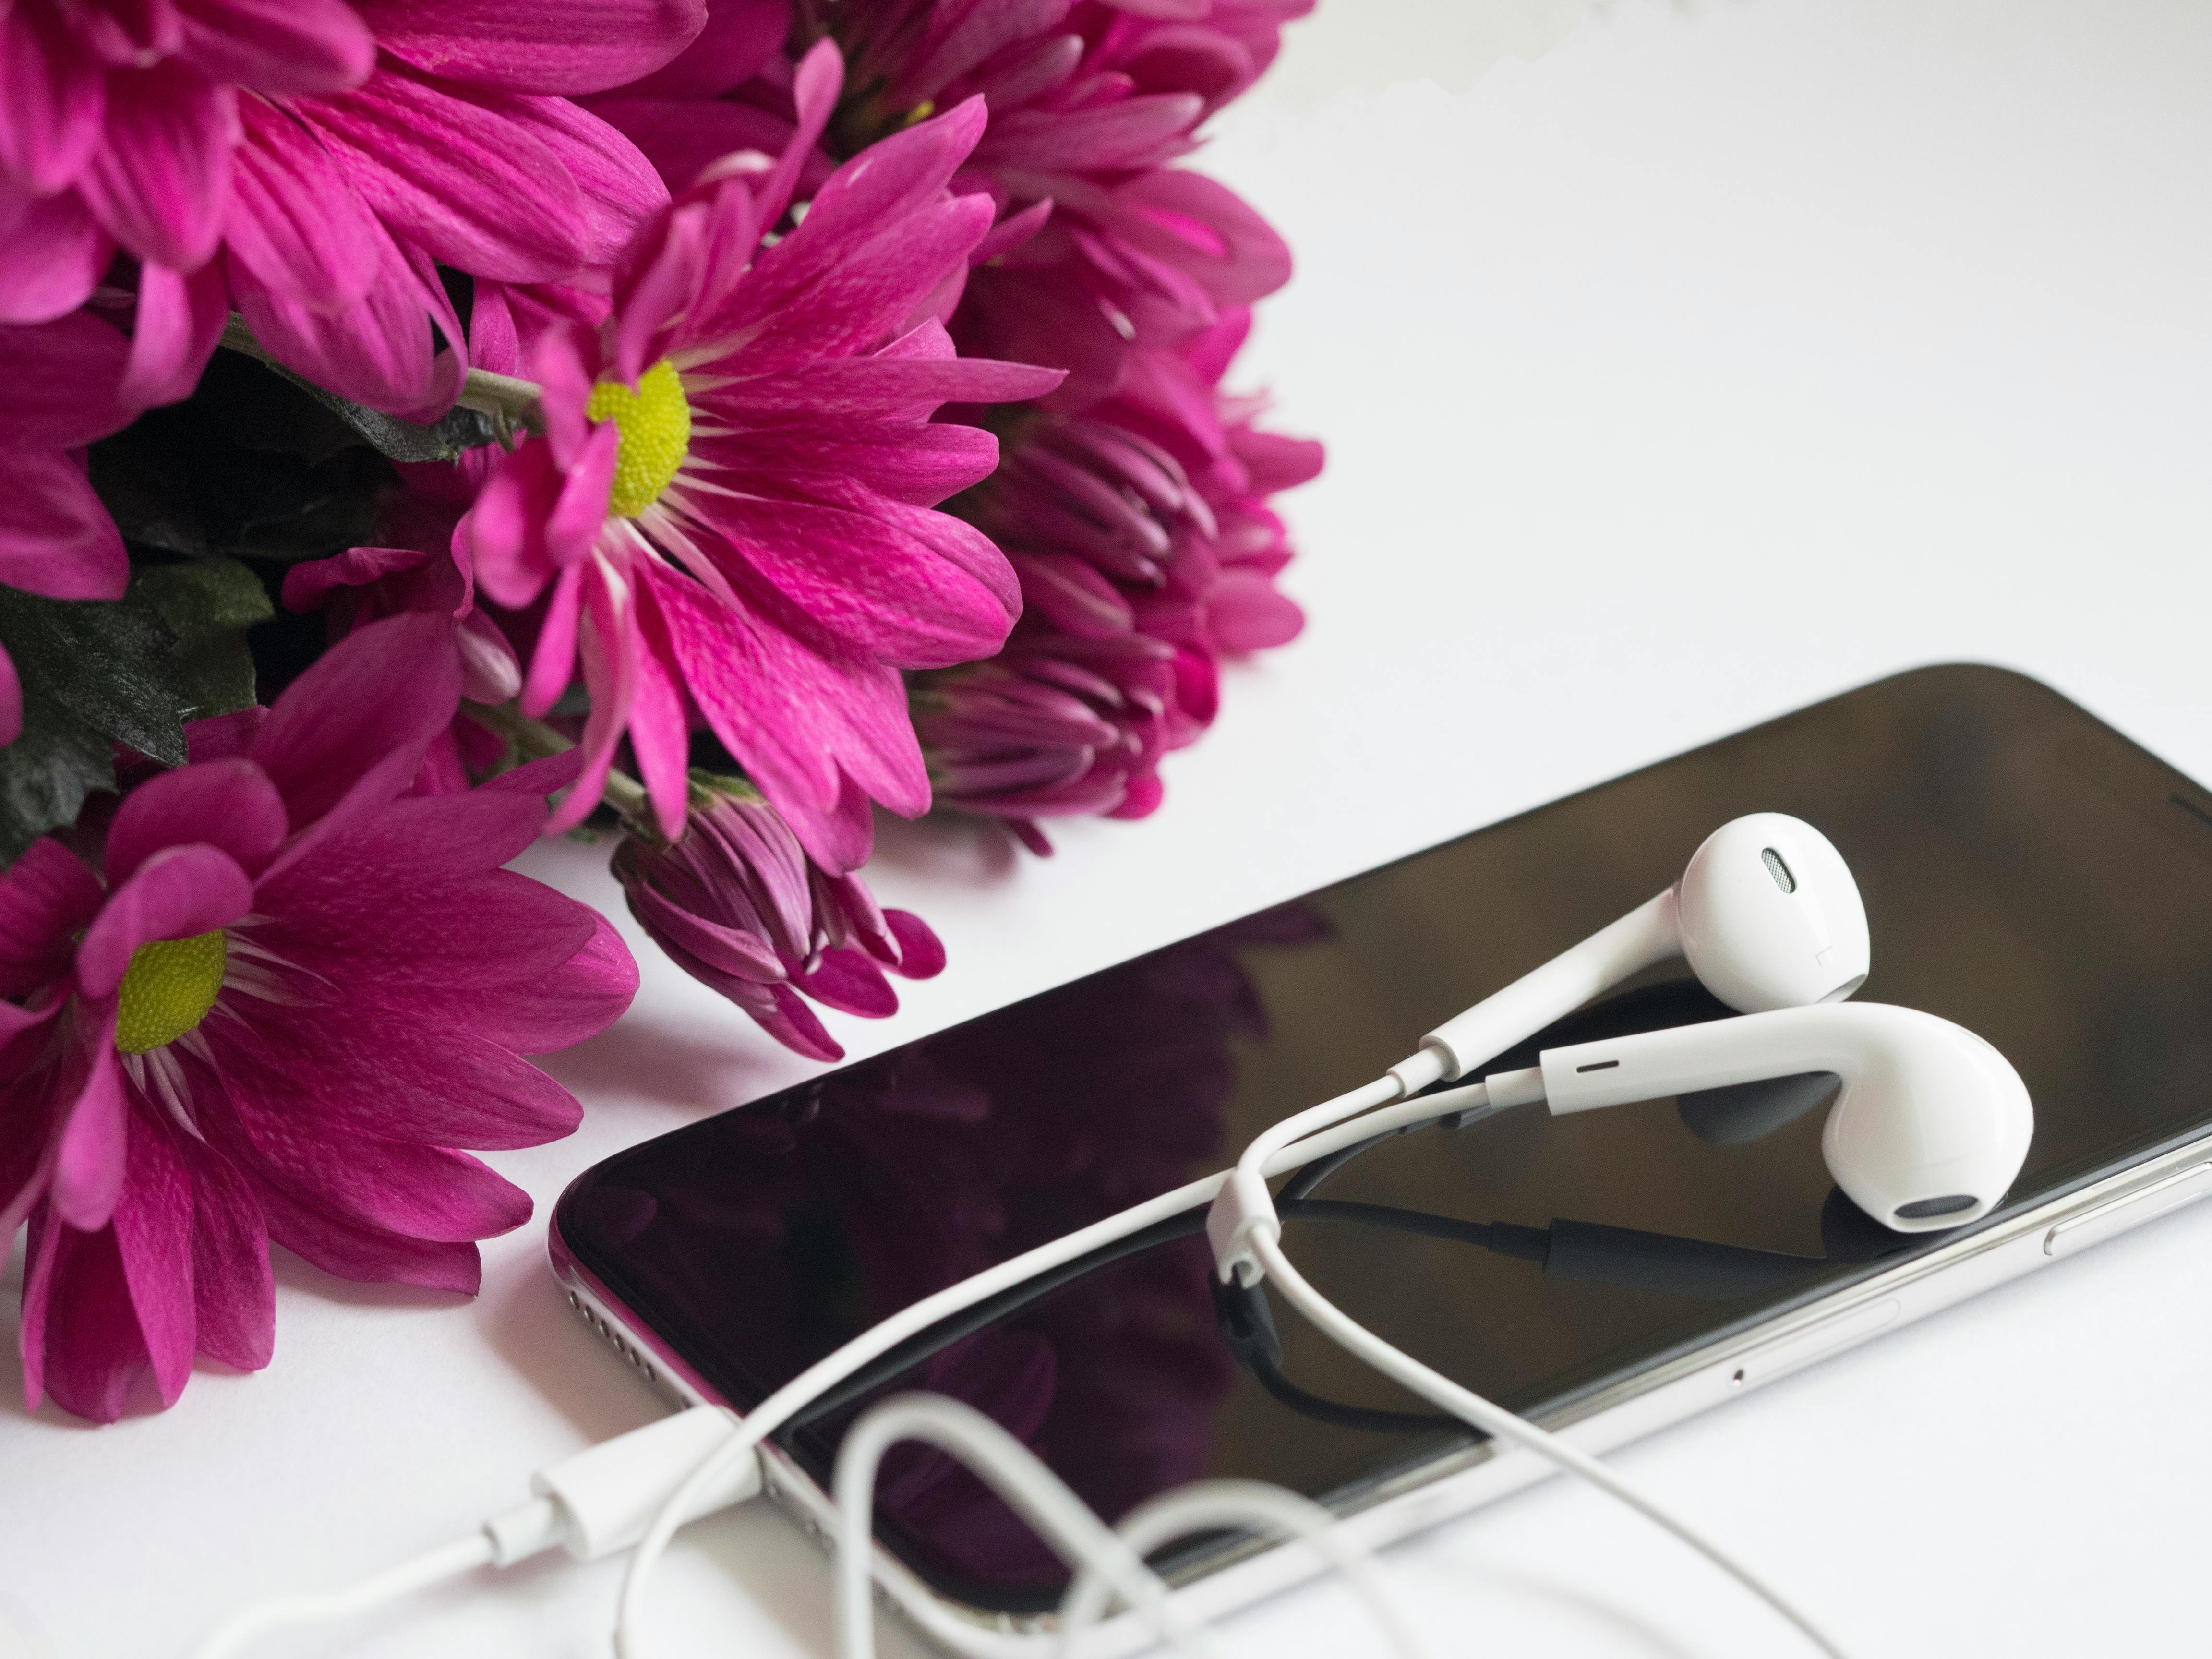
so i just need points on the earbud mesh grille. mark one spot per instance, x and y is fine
(1950, 1204)
(1778, 870)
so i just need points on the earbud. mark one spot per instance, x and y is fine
(1767, 915)
(1929, 1126)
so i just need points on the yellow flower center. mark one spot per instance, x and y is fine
(167, 989)
(655, 423)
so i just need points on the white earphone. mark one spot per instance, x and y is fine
(1767, 915)
(1928, 1128)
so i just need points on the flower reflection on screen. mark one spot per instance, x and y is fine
(834, 1205)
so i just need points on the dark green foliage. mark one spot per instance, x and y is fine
(96, 673)
(249, 466)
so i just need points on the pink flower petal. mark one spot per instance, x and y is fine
(233, 1293)
(222, 736)
(921, 953)
(681, 140)
(414, 889)
(32, 1095)
(876, 241)
(740, 36)
(179, 320)
(389, 1078)
(279, 46)
(1276, 462)
(504, 529)
(418, 1192)
(538, 777)
(1204, 229)
(153, 1223)
(792, 1024)
(660, 724)
(580, 509)
(387, 688)
(1143, 131)
(1245, 613)
(1072, 595)
(294, 220)
(815, 84)
(378, 351)
(53, 251)
(617, 186)
(655, 283)
(52, 97)
(551, 49)
(860, 577)
(348, 1249)
(798, 721)
(61, 378)
(56, 538)
(607, 648)
(161, 183)
(88, 1163)
(89, 1361)
(11, 702)
(580, 999)
(230, 804)
(489, 672)
(446, 171)
(553, 662)
(848, 981)
(306, 585)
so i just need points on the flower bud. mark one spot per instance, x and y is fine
(739, 905)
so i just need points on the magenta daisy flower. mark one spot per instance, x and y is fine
(271, 158)
(285, 996)
(731, 509)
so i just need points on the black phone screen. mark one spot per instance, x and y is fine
(2027, 872)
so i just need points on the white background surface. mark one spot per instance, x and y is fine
(1707, 363)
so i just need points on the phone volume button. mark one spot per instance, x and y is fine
(2130, 1210)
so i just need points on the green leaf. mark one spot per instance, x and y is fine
(208, 605)
(175, 481)
(442, 440)
(99, 672)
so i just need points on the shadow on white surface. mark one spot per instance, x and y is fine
(642, 1058)
(529, 1324)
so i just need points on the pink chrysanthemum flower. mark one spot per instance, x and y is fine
(55, 539)
(739, 907)
(731, 510)
(1147, 553)
(270, 158)
(1090, 102)
(287, 994)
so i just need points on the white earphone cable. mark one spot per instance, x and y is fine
(1493, 1419)
(1252, 1506)
(433, 1567)
(1011, 1469)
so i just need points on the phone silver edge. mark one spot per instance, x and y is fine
(1459, 1481)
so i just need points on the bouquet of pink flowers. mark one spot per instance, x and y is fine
(436, 423)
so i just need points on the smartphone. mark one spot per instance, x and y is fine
(2028, 872)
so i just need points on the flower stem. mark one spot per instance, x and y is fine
(511, 403)
(535, 740)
